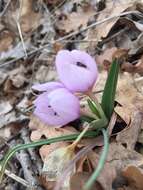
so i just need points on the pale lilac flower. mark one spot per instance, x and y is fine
(48, 86)
(58, 107)
(77, 70)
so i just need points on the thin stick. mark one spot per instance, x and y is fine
(16, 178)
(19, 28)
(6, 6)
(71, 35)
(74, 144)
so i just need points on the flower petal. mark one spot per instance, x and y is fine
(48, 86)
(77, 70)
(58, 107)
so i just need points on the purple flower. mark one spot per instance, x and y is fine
(48, 86)
(57, 107)
(77, 70)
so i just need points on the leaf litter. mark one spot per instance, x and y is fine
(41, 22)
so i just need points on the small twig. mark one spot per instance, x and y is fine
(70, 35)
(16, 178)
(37, 164)
(19, 29)
(6, 6)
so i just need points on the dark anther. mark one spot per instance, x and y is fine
(81, 64)
(49, 106)
(55, 113)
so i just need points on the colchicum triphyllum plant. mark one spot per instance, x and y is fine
(58, 104)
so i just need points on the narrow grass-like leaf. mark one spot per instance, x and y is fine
(93, 107)
(108, 97)
(12, 151)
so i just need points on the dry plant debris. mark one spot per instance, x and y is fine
(40, 29)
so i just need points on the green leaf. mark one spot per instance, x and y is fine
(108, 97)
(93, 107)
(9, 155)
(86, 118)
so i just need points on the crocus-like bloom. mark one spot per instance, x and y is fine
(57, 107)
(48, 86)
(77, 70)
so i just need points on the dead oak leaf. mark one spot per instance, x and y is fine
(75, 20)
(108, 173)
(6, 40)
(113, 8)
(45, 150)
(41, 129)
(29, 19)
(127, 94)
(134, 176)
(129, 136)
(79, 179)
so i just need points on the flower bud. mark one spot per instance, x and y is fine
(58, 107)
(77, 70)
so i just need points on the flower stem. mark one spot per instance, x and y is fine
(101, 163)
(74, 144)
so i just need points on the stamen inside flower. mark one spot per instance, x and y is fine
(81, 64)
(55, 113)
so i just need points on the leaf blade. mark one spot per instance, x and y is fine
(108, 96)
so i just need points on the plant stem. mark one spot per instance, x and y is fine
(101, 163)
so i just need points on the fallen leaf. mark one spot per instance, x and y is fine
(75, 20)
(5, 132)
(40, 129)
(55, 164)
(127, 94)
(3, 76)
(107, 175)
(106, 56)
(134, 176)
(5, 107)
(129, 135)
(11, 117)
(79, 179)
(124, 113)
(113, 8)
(120, 157)
(45, 150)
(27, 12)
(6, 40)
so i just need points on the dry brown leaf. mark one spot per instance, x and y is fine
(5, 132)
(130, 135)
(134, 176)
(106, 56)
(108, 173)
(29, 20)
(127, 94)
(45, 150)
(55, 164)
(40, 129)
(79, 179)
(6, 40)
(16, 78)
(120, 157)
(113, 8)
(124, 113)
(75, 20)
